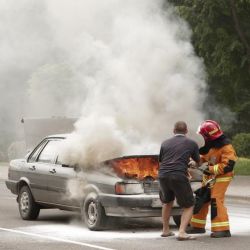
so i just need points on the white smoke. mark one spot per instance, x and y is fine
(139, 72)
(55, 90)
(126, 67)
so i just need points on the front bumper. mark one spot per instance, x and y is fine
(12, 186)
(141, 205)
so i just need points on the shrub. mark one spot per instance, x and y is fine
(241, 142)
(242, 166)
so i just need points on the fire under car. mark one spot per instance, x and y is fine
(121, 187)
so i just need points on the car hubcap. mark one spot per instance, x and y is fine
(92, 213)
(24, 202)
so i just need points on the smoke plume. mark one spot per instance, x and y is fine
(140, 73)
(126, 68)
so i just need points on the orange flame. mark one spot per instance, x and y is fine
(137, 167)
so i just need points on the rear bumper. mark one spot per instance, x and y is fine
(138, 212)
(12, 186)
(134, 205)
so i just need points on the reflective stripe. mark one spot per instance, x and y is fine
(198, 221)
(213, 131)
(223, 179)
(220, 224)
(216, 169)
(205, 178)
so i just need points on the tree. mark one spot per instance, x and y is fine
(221, 35)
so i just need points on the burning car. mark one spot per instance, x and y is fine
(128, 189)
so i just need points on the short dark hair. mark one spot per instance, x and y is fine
(180, 127)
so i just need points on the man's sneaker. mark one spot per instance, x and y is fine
(195, 230)
(220, 234)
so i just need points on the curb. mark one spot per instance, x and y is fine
(238, 199)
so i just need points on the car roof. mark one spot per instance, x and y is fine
(64, 136)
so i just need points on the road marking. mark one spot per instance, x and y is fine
(55, 238)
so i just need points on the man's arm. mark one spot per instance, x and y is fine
(160, 155)
(196, 155)
(226, 164)
(195, 162)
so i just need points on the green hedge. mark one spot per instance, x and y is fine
(242, 166)
(241, 143)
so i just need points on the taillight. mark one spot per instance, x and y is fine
(129, 188)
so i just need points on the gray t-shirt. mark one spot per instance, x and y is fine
(175, 154)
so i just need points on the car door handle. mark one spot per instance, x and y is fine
(52, 171)
(32, 168)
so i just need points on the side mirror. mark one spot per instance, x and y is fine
(75, 167)
(66, 166)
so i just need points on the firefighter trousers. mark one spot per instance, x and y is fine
(219, 216)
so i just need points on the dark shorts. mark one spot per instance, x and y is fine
(176, 186)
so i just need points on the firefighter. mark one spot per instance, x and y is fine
(220, 157)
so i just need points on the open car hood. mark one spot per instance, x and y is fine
(141, 167)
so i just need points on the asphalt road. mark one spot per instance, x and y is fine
(57, 229)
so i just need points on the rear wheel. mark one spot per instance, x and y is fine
(28, 208)
(93, 213)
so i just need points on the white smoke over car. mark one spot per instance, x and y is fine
(127, 68)
(140, 72)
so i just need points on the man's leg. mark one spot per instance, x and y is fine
(166, 210)
(185, 199)
(185, 219)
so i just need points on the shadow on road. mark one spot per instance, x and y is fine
(121, 224)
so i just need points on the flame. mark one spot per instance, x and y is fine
(137, 167)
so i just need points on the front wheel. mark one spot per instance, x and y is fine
(28, 208)
(93, 213)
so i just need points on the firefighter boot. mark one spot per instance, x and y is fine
(195, 230)
(220, 234)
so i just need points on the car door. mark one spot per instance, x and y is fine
(61, 186)
(37, 173)
(46, 167)
(59, 183)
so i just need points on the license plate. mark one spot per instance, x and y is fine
(156, 202)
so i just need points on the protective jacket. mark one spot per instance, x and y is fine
(220, 156)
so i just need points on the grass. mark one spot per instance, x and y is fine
(242, 166)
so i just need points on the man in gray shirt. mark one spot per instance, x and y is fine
(175, 154)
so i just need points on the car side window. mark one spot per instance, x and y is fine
(49, 152)
(35, 153)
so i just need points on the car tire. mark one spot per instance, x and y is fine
(28, 208)
(93, 213)
(177, 220)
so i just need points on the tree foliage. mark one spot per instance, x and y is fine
(241, 143)
(221, 35)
